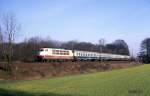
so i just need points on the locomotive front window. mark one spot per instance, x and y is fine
(41, 49)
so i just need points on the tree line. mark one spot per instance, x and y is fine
(26, 50)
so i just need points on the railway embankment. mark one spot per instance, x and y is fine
(39, 70)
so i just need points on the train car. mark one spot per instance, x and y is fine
(54, 54)
(119, 57)
(85, 55)
(105, 56)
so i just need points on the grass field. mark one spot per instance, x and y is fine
(133, 81)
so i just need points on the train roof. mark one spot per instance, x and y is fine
(54, 48)
(102, 53)
(84, 51)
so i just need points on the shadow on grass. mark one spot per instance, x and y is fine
(4, 92)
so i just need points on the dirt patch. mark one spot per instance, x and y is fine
(28, 71)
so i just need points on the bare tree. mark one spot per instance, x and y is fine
(9, 29)
(1, 36)
(1, 43)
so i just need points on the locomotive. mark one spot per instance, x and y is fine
(55, 54)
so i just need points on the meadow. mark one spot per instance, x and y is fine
(132, 81)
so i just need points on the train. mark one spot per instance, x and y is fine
(58, 54)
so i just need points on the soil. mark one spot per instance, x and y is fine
(38, 70)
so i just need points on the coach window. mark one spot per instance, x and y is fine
(61, 52)
(64, 52)
(67, 52)
(53, 51)
(56, 52)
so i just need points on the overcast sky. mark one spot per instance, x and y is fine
(83, 20)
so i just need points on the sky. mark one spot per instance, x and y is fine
(82, 20)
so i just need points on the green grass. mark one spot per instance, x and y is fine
(124, 82)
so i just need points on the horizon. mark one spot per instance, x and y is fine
(83, 20)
